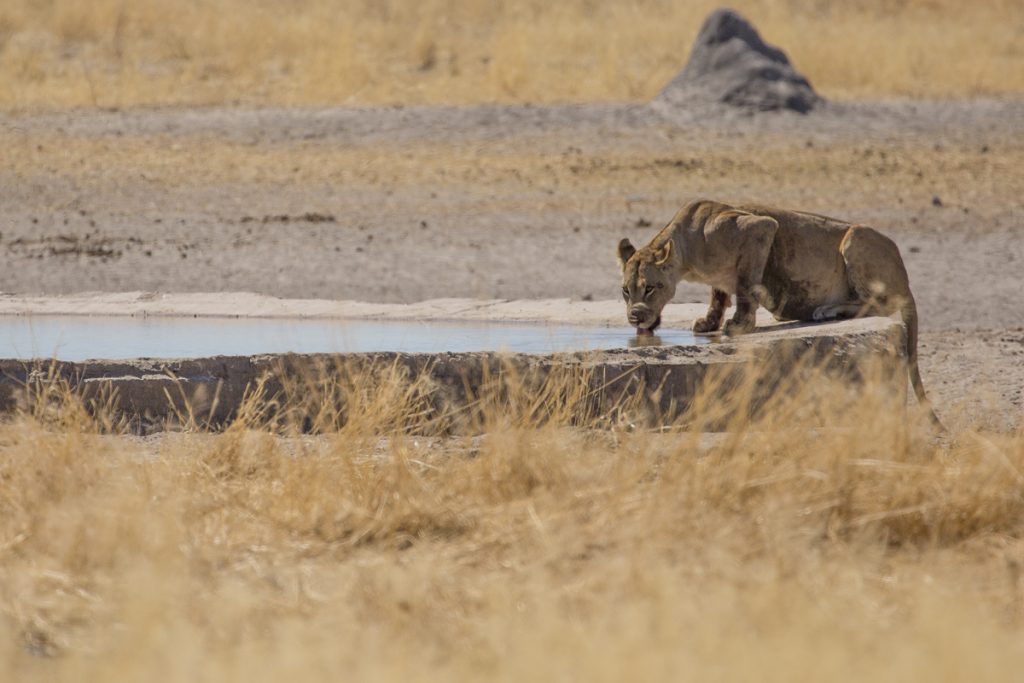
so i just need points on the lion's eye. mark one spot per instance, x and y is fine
(648, 290)
(625, 294)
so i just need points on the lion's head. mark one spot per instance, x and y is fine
(648, 283)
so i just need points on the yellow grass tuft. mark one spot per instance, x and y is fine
(111, 53)
(534, 550)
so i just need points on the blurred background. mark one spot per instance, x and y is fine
(124, 53)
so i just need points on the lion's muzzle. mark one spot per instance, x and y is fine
(641, 316)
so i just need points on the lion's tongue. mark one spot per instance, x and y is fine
(643, 332)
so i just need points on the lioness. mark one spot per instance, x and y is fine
(799, 266)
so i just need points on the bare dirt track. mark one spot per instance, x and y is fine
(406, 204)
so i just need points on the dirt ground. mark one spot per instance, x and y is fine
(407, 204)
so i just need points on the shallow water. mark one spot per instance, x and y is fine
(73, 338)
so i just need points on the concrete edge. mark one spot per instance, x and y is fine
(154, 394)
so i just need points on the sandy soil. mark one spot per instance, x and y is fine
(408, 204)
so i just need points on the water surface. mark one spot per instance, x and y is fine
(78, 338)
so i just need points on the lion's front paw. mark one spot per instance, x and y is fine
(735, 328)
(703, 325)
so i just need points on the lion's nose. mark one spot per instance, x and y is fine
(635, 317)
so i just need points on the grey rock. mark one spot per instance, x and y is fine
(730, 64)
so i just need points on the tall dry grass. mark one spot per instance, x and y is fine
(112, 53)
(536, 551)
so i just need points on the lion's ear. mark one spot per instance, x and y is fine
(664, 254)
(626, 251)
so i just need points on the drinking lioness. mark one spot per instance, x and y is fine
(799, 266)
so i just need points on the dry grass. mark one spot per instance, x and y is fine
(535, 552)
(112, 53)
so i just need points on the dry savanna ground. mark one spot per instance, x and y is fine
(831, 536)
(111, 53)
(402, 205)
(528, 549)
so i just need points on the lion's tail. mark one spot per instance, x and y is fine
(909, 315)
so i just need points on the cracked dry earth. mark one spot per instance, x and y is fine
(406, 204)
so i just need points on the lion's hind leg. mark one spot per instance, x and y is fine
(878, 277)
(875, 271)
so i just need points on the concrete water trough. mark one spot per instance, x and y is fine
(157, 356)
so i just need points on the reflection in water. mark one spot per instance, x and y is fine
(673, 339)
(645, 340)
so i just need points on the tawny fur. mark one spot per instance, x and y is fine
(799, 266)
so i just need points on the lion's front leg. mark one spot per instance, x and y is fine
(745, 318)
(712, 320)
(758, 233)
